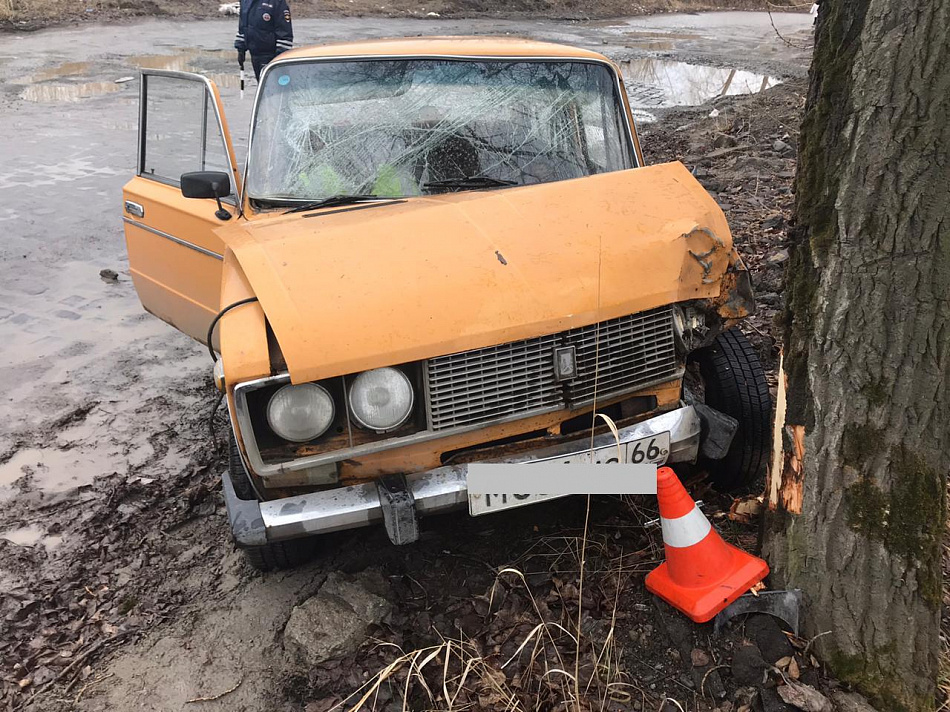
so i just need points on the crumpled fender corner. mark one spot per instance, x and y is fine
(736, 298)
(707, 255)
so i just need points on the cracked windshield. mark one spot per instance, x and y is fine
(409, 127)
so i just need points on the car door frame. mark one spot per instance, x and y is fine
(211, 91)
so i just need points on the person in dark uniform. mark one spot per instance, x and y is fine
(264, 30)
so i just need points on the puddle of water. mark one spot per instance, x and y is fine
(652, 45)
(176, 63)
(656, 83)
(53, 470)
(70, 69)
(68, 92)
(190, 60)
(665, 35)
(657, 41)
(185, 60)
(30, 536)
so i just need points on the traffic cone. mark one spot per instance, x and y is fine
(702, 574)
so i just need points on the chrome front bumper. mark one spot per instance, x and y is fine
(438, 490)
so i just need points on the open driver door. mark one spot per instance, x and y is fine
(175, 258)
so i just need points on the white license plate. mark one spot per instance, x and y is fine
(649, 450)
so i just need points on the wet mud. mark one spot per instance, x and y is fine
(119, 585)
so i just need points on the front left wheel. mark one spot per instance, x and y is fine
(273, 555)
(735, 384)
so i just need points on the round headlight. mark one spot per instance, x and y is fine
(381, 399)
(300, 413)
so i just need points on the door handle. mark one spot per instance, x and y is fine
(134, 209)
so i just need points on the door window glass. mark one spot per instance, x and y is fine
(181, 130)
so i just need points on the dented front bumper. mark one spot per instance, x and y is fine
(439, 490)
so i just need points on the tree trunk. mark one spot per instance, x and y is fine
(858, 499)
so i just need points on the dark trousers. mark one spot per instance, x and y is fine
(259, 61)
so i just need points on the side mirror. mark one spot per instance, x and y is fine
(208, 184)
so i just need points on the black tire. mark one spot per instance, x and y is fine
(275, 555)
(735, 385)
(280, 554)
(240, 479)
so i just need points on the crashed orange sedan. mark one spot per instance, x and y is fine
(438, 251)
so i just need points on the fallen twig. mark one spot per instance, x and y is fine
(808, 645)
(89, 684)
(212, 698)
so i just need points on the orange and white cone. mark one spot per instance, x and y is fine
(702, 574)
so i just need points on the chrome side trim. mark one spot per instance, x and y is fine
(443, 488)
(621, 97)
(266, 471)
(177, 240)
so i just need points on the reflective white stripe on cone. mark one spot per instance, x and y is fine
(688, 530)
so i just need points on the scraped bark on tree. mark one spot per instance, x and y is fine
(858, 490)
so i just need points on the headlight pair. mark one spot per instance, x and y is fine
(379, 400)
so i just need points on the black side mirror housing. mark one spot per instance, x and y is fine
(205, 184)
(208, 184)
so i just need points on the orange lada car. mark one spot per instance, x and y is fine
(438, 251)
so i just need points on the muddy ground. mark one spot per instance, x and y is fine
(25, 15)
(118, 585)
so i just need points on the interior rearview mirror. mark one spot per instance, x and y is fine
(208, 184)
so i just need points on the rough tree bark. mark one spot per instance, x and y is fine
(858, 500)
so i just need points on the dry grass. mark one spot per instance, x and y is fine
(51, 11)
(554, 665)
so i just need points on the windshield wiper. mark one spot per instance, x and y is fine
(335, 200)
(470, 182)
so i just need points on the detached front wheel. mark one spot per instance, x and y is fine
(275, 555)
(735, 385)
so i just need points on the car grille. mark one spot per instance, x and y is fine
(518, 378)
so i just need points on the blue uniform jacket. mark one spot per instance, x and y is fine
(265, 27)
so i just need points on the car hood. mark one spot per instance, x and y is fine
(348, 289)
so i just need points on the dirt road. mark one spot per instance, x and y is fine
(119, 587)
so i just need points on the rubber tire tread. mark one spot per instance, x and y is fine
(239, 477)
(736, 385)
(275, 555)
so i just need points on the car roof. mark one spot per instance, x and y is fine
(445, 47)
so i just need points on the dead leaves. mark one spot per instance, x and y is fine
(804, 697)
(746, 510)
(699, 658)
(796, 693)
(91, 596)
